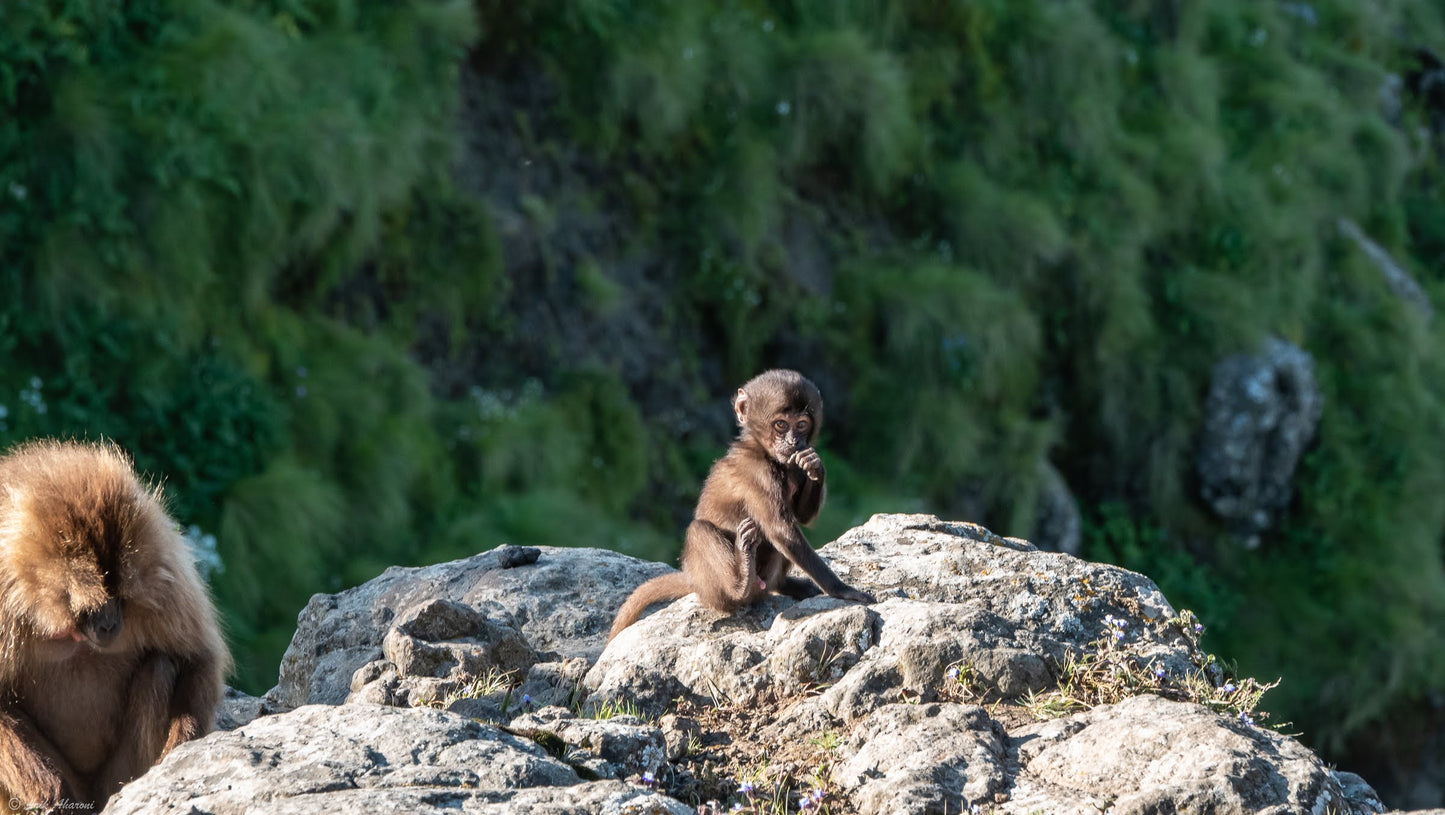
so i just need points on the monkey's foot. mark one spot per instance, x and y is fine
(748, 537)
(855, 596)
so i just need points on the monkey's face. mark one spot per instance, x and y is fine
(74, 602)
(779, 410)
(63, 570)
(789, 434)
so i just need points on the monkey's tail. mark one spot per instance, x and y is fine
(665, 587)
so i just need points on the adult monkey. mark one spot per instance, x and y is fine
(110, 653)
(744, 536)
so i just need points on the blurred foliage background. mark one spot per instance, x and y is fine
(391, 283)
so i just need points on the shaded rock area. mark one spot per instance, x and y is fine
(1059, 526)
(1259, 418)
(616, 747)
(478, 686)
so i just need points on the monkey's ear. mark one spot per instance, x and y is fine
(740, 406)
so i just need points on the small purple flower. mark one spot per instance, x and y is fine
(806, 803)
(648, 778)
(1198, 629)
(1228, 687)
(953, 672)
(1159, 673)
(737, 807)
(527, 699)
(1118, 635)
(1244, 717)
(818, 795)
(746, 788)
(1120, 623)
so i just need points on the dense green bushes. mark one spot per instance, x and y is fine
(188, 186)
(229, 241)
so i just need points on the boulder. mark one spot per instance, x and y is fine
(1259, 417)
(966, 687)
(561, 600)
(1149, 755)
(363, 759)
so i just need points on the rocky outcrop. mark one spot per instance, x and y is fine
(988, 675)
(1259, 417)
(325, 760)
(560, 603)
(949, 594)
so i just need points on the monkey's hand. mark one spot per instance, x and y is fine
(810, 462)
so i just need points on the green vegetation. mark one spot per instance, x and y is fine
(233, 238)
(1113, 672)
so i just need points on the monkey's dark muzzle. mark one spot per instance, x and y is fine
(102, 625)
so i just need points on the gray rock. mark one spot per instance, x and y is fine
(1058, 526)
(510, 557)
(950, 594)
(323, 760)
(687, 649)
(1400, 281)
(924, 759)
(437, 650)
(447, 638)
(1259, 416)
(1358, 791)
(678, 732)
(238, 708)
(1151, 755)
(1390, 96)
(562, 602)
(918, 644)
(553, 683)
(624, 745)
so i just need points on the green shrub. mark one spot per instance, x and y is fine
(996, 232)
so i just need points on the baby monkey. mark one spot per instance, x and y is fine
(744, 536)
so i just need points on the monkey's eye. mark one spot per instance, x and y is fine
(803, 426)
(781, 426)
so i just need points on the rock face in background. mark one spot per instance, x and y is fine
(497, 696)
(1400, 281)
(1059, 527)
(1259, 418)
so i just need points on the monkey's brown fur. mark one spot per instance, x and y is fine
(744, 536)
(110, 653)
